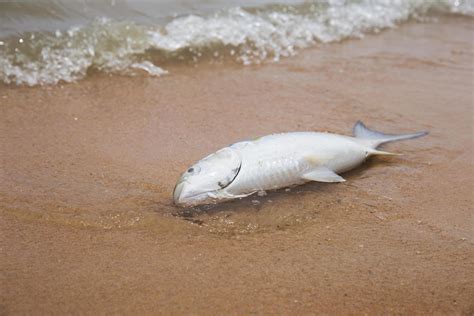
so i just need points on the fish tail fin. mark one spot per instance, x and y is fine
(375, 152)
(376, 139)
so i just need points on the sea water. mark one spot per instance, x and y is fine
(46, 42)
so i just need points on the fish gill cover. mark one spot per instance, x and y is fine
(247, 35)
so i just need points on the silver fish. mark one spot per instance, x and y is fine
(278, 161)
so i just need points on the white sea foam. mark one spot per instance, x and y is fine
(246, 35)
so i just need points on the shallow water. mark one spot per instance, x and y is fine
(57, 41)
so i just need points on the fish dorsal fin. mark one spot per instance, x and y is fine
(323, 174)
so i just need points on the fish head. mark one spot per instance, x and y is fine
(203, 181)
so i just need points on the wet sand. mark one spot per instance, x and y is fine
(87, 223)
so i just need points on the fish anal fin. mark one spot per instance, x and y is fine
(323, 174)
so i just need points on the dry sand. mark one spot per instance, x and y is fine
(87, 223)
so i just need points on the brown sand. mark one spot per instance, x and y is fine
(87, 223)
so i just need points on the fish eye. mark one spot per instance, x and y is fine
(193, 170)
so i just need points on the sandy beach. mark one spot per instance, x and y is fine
(87, 223)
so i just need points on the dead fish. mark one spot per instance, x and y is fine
(278, 161)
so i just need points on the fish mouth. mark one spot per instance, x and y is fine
(177, 192)
(195, 200)
(189, 200)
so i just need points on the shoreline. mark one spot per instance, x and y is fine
(87, 220)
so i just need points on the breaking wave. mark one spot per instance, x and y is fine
(246, 35)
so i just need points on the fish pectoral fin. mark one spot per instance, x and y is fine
(323, 174)
(226, 195)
